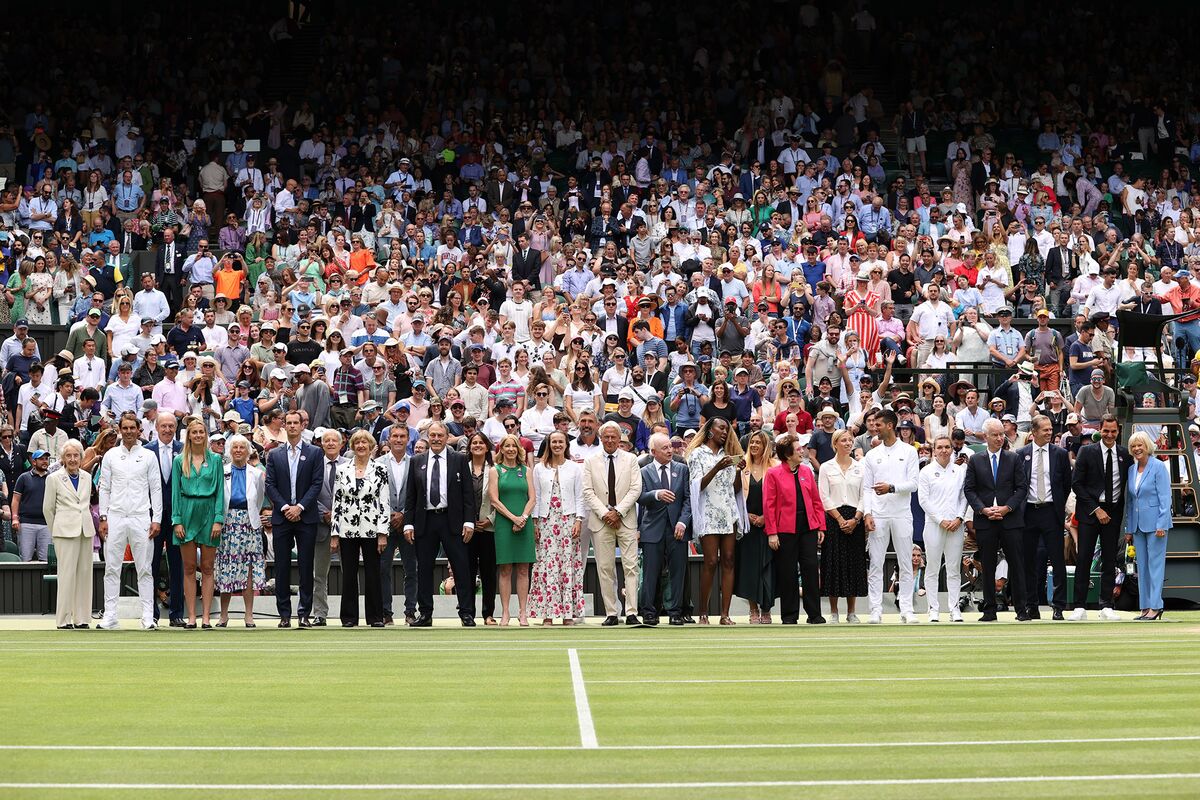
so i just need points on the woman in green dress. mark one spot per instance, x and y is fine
(197, 513)
(510, 488)
(18, 284)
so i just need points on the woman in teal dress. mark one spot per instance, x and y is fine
(197, 513)
(510, 488)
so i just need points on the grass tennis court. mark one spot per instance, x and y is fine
(1033, 710)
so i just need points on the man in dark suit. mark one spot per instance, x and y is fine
(527, 263)
(165, 448)
(996, 485)
(293, 485)
(499, 193)
(1049, 468)
(664, 513)
(168, 268)
(1061, 268)
(609, 321)
(1099, 484)
(440, 494)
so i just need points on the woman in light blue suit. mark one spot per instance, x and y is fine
(1147, 520)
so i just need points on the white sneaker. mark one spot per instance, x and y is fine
(933, 617)
(909, 619)
(833, 619)
(109, 624)
(955, 615)
(1078, 615)
(1108, 615)
(876, 618)
(150, 625)
(852, 619)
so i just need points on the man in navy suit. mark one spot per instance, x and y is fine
(1101, 472)
(165, 448)
(439, 493)
(293, 486)
(1049, 468)
(664, 514)
(996, 485)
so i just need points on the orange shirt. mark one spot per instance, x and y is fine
(229, 282)
(363, 262)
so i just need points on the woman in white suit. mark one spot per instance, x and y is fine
(1147, 520)
(362, 509)
(556, 590)
(67, 508)
(240, 565)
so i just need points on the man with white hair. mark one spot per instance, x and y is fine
(612, 484)
(890, 474)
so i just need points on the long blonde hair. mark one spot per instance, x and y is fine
(767, 459)
(189, 450)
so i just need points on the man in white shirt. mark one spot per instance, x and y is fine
(890, 473)
(1105, 297)
(970, 419)
(519, 311)
(88, 369)
(929, 320)
(939, 491)
(151, 302)
(128, 478)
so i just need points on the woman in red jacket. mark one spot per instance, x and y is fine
(794, 519)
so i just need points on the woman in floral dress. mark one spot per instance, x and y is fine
(557, 583)
(713, 459)
(240, 567)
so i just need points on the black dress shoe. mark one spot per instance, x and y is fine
(177, 623)
(420, 621)
(409, 619)
(815, 621)
(305, 622)
(389, 621)
(676, 621)
(82, 627)
(610, 621)
(1033, 613)
(377, 624)
(467, 622)
(1058, 615)
(632, 620)
(351, 624)
(1022, 617)
(688, 620)
(66, 627)
(789, 621)
(284, 622)
(988, 617)
(650, 620)
(319, 622)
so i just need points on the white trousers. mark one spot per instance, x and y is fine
(938, 543)
(135, 532)
(606, 541)
(900, 533)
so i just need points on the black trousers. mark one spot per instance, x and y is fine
(437, 534)
(408, 562)
(990, 539)
(303, 537)
(481, 551)
(172, 287)
(670, 554)
(166, 541)
(795, 559)
(1042, 540)
(372, 591)
(1109, 536)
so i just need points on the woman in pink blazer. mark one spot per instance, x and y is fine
(794, 519)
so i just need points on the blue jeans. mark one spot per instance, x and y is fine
(1190, 332)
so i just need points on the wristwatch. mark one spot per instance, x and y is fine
(104, 517)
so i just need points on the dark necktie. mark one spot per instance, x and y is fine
(612, 481)
(666, 480)
(1108, 475)
(435, 482)
(329, 476)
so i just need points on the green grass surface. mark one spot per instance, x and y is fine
(717, 712)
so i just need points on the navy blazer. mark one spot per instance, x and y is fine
(656, 519)
(1010, 488)
(176, 449)
(308, 483)
(1060, 477)
(460, 491)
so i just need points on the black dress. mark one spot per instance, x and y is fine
(754, 578)
(844, 558)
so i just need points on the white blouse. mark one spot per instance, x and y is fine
(840, 487)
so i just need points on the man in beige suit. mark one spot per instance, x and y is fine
(611, 487)
(67, 508)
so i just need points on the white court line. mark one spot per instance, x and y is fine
(587, 728)
(571, 747)
(915, 679)
(493, 787)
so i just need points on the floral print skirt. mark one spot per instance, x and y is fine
(238, 552)
(556, 583)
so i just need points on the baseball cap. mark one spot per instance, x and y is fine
(278, 374)
(1097, 373)
(626, 394)
(301, 368)
(1072, 419)
(36, 454)
(232, 416)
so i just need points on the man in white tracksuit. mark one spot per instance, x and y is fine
(130, 507)
(940, 493)
(890, 472)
